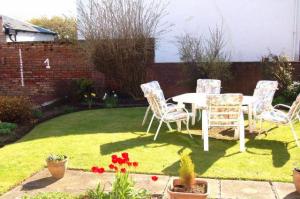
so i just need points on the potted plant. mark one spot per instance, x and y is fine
(187, 186)
(57, 165)
(296, 177)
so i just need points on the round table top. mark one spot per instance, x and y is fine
(200, 99)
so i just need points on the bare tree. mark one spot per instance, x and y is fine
(119, 38)
(205, 57)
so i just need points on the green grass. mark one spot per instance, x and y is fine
(91, 137)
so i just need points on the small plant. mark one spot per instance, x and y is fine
(37, 113)
(187, 171)
(89, 98)
(110, 100)
(7, 128)
(97, 193)
(123, 185)
(56, 158)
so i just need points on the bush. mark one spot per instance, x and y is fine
(187, 171)
(37, 113)
(15, 109)
(74, 90)
(7, 128)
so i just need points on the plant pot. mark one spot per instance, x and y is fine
(185, 195)
(296, 177)
(57, 168)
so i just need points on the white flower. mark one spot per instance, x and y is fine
(93, 94)
(105, 96)
(115, 95)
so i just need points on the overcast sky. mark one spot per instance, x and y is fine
(27, 9)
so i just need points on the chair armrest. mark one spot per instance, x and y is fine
(168, 99)
(282, 105)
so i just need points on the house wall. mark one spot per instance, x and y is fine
(29, 37)
(252, 27)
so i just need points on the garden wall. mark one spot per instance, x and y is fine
(67, 62)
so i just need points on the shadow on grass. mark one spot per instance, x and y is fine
(205, 159)
(277, 149)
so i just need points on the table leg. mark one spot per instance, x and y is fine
(194, 114)
(250, 117)
(205, 129)
(180, 104)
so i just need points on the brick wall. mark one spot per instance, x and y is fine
(2, 34)
(66, 63)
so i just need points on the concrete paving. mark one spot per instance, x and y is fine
(77, 182)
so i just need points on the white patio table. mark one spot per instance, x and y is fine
(199, 99)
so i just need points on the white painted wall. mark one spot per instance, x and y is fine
(252, 27)
(29, 36)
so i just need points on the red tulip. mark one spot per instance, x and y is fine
(125, 155)
(101, 170)
(135, 164)
(111, 166)
(123, 170)
(94, 169)
(154, 178)
(129, 164)
(121, 161)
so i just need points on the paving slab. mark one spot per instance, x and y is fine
(286, 190)
(234, 189)
(77, 182)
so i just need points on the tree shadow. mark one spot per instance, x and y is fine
(38, 184)
(278, 150)
(217, 148)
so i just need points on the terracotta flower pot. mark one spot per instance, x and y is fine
(296, 177)
(184, 195)
(57, 168)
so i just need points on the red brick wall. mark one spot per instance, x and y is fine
(2, 34)
(66, 63)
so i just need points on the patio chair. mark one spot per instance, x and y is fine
(162, 111)
(224, 110)
(282, 118)
(263, 94)
(206, 86)
(148, 87)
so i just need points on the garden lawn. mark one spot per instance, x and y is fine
(90, 138)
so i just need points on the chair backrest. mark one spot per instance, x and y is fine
(224, 109)
(264, 94)
(295, 109)
(155, 97)
(208, 86)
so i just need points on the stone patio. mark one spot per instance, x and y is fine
(78, 182)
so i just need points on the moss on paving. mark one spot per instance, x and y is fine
(91, 137)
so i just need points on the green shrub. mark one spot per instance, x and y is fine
(51, 195)
(7, 128)
(37, 113)
(15, 109)
(97, 193)
(110, 100)
(187, 171)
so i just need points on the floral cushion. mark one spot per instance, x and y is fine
(264, 93)
(274, 116)
(177, 115)
(208, 86)
(224, 109)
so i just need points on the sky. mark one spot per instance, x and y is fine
(27, 9)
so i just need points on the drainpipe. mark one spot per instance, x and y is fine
(296, 41)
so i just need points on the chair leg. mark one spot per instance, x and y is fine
(187, 127)
(294, 134)
(200, 114)
(178, 126)
(169, 126)
(157, 131)
(150, 124)
(146, 115)
(242, 133)
(194, 111)
(260, 126)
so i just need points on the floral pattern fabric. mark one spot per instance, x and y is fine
(295, 109)
(224, 109)
(264, 94)
(208, 86)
